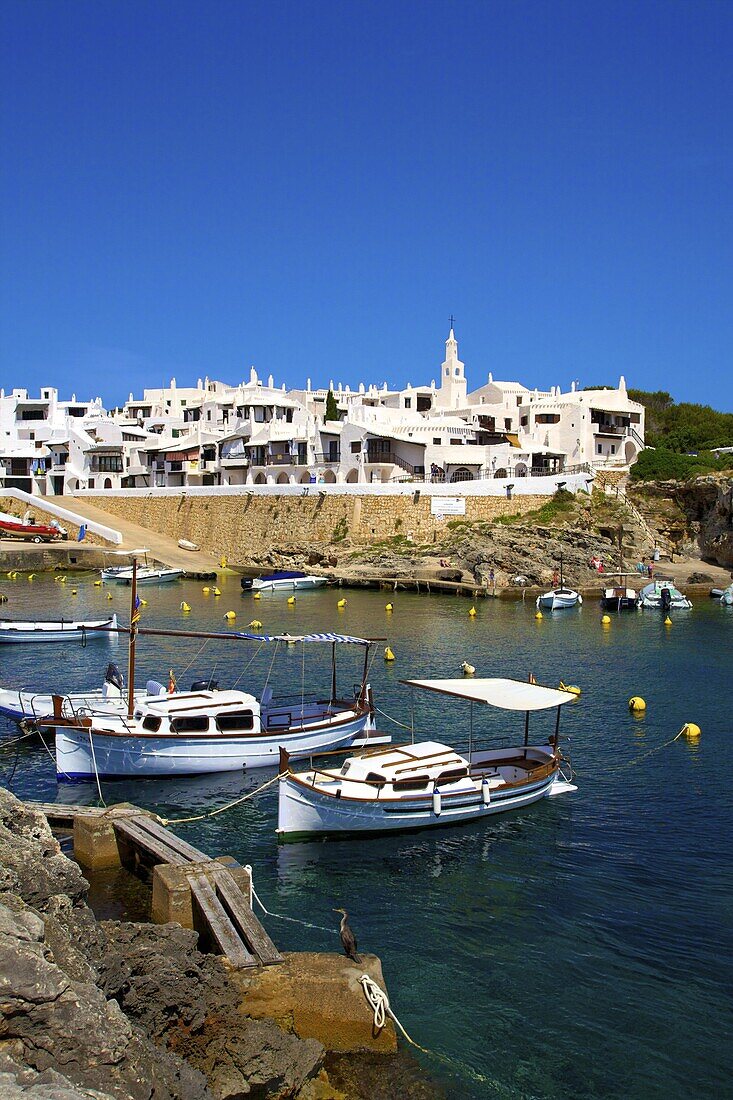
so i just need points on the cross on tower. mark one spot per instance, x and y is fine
(452, 321)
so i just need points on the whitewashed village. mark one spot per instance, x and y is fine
(258, 434)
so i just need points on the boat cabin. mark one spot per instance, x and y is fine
(199, 712)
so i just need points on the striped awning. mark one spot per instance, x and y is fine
(342, 639)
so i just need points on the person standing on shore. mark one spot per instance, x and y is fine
(492, 582)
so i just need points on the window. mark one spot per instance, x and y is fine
(236, 720)
(408, 402)
(599, 448)
(356, 448)
(436, 440)
(192, 723)
(507, 423)
(451, 776)
(547, 418)
(613, 448)
(90, 483)
(375, 780)
(416, 783)
(152, 724)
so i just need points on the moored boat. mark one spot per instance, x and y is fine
(619, 598)
(429, 784)
(57, 630)
(27, 705)
(661, 595)
(560, 597)
(186, 544)
(148, 574)
(285, 580)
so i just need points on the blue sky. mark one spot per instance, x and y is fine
(312, 188)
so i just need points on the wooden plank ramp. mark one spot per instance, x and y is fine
(217, 920)
(153, 838)
(242, 917)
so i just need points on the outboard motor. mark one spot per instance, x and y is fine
(246, 583)
(114, 676)
(205, 685)
(666, 597)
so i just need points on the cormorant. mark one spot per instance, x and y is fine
(348, 939)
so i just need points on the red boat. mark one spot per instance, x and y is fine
(35, 532)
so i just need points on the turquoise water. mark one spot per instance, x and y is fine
(579, 948)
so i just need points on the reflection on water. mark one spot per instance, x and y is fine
(578, 948)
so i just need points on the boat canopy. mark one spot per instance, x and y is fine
(345, 639)
(505, 694)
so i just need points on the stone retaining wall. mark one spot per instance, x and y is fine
(241, 527)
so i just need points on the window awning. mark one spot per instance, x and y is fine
(505, 694)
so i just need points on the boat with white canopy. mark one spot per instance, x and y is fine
(429, 784)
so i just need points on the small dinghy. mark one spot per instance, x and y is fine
(661, 595)
(21, 706)
(429, 784)
(726, 596)
(13, 630)
(186, 544)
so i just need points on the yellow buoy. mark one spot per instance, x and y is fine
(690, 731)
(206, 590)
(467, 670)
(637, 704)
(109, 595)
(539, 615)
(143, 603)
(230, 615)
(388, 607)
(569, 687)
(256, 624)
(388, 654)
(31, 576)
(606, 620)
(185, 606)
(73, 592)
(97, 584)
(291, 600)
(668, 621)
(216, 591)
(257, 596)
(473, 612)
(341, 603)
(62, 580)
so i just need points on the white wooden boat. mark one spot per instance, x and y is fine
(193, 733)
(58, 630)
(726, 596)
(557, 599)
(560, 597)
(186, 544)
(429, 784)
(147, 574)
(286, 580)
(27, 705)
(662, 595)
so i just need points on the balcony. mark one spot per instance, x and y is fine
(332, 458)
(391, 458)
(280, 460)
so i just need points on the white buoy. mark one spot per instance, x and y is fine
(437, 802)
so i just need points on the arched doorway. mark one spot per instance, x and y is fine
(107, 483)
(630, 452)
(520, 470)
(461, 474)
(260, 479)
(282, 479)
(352, 477)
(329, 478)
(501, 472)
(305, 478)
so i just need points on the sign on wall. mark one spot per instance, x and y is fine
(447, 506)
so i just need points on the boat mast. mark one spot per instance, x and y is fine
(131, 649)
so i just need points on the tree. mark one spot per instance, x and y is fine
(332, 412)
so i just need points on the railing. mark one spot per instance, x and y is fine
(330, 459)
(279, 460)
(390, 458)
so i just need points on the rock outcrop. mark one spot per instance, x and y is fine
(119, 1010)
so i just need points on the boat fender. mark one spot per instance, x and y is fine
(388, 654)
(485, 791)
(637, 704)
(691, 731)
(437, 802)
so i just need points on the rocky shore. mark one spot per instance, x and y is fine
(116, 1010)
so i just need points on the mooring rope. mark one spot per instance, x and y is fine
(220, 809)
(294, 920)
(14, 740)
(391, 719)
(650, 752)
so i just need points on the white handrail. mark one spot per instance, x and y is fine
(45, 505)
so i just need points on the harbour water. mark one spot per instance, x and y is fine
(580, 948)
